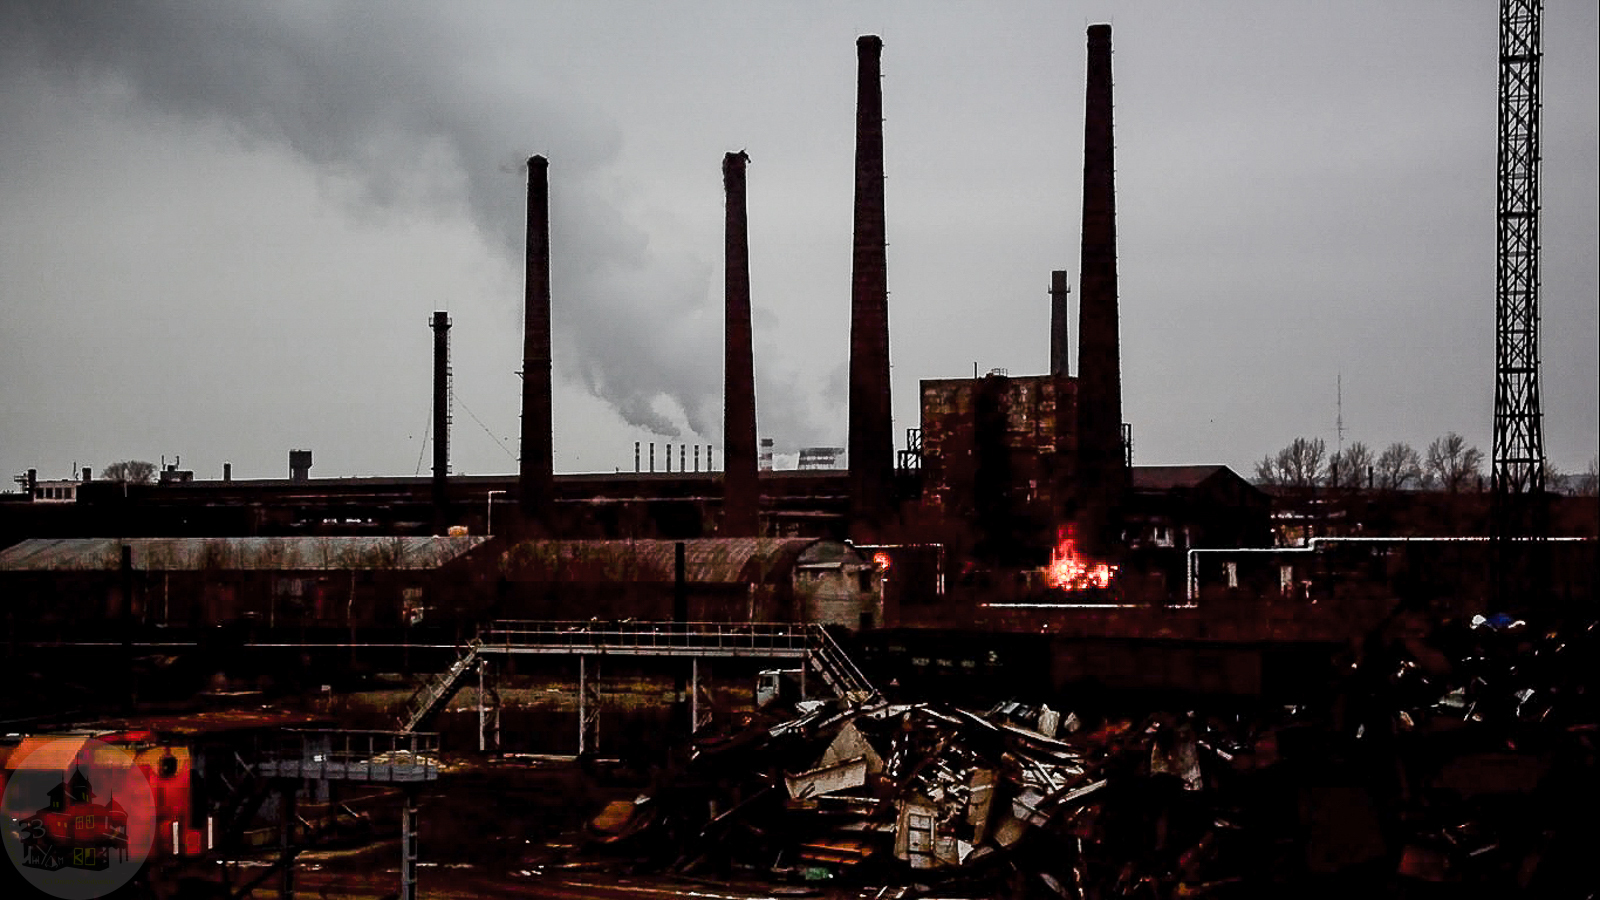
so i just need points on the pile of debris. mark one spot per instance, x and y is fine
(1453, 756)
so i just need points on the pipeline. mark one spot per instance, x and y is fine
(1192, 578)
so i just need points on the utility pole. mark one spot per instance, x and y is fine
(1519, 518)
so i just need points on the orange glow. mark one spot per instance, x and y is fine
(881, 560)
(1070, 572)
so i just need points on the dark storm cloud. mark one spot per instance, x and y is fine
(396, 99)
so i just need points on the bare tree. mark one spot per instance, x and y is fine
(1588, 484)
(1349, 468)
(1556, 481)
(132, 471)
(1451, 464)
(1398, 467)
(1302, 461)
(1298, 465)
(1267, 471)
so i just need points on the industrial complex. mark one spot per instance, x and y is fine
(813, 642)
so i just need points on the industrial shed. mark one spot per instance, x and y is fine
(277, 582)
(725, 580)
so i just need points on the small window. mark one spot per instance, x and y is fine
(864, 577)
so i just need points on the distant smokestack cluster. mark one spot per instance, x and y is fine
(741, 491)
(871, 440)
(537, 466)
(1101, 472)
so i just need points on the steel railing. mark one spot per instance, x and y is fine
(811, 640)
(709, 636)
(351, 755)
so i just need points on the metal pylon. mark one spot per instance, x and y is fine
(1519, 524)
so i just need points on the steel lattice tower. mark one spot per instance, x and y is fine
(1518, 479)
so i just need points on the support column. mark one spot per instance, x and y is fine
(483, 724)
(588, 707)
(286, 820)
(408, 844)
(698, 717)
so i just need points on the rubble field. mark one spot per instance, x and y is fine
(1454, 758)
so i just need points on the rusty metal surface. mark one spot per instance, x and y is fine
(994, 442)
(275, 554)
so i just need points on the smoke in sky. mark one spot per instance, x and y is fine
(395, 100)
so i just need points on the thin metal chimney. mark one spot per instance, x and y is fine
(537, 465)
(1101, 472)
(741, 501)
(871, 427)
(441, 418)
(1058, 323)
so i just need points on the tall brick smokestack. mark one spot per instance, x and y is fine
(441, 418)
(537, 467)
(1101, 473)
(741, 497)
(1058, 323)
(871, 430)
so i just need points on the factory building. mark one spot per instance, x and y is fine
(724, 580)
(305, 582)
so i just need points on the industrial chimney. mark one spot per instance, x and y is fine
(741, 490)
(537, 465)
(871, 428)
(1058, 323)
(1101, 472)
(441, 418)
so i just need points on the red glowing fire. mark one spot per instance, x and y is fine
(1069, 571)
(881, 560)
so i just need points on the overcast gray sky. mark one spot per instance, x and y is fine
(224, 226)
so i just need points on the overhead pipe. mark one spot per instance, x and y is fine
(1312, 545)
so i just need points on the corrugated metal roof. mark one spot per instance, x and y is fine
(217, 722)
(236, 554)
(706, 561)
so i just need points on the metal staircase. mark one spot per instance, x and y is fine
(837, 670)
(437, 691)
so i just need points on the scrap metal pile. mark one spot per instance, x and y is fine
(1450, 758)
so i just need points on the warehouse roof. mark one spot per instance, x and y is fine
(1166, 478)
(706, 561)
(234, 554)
